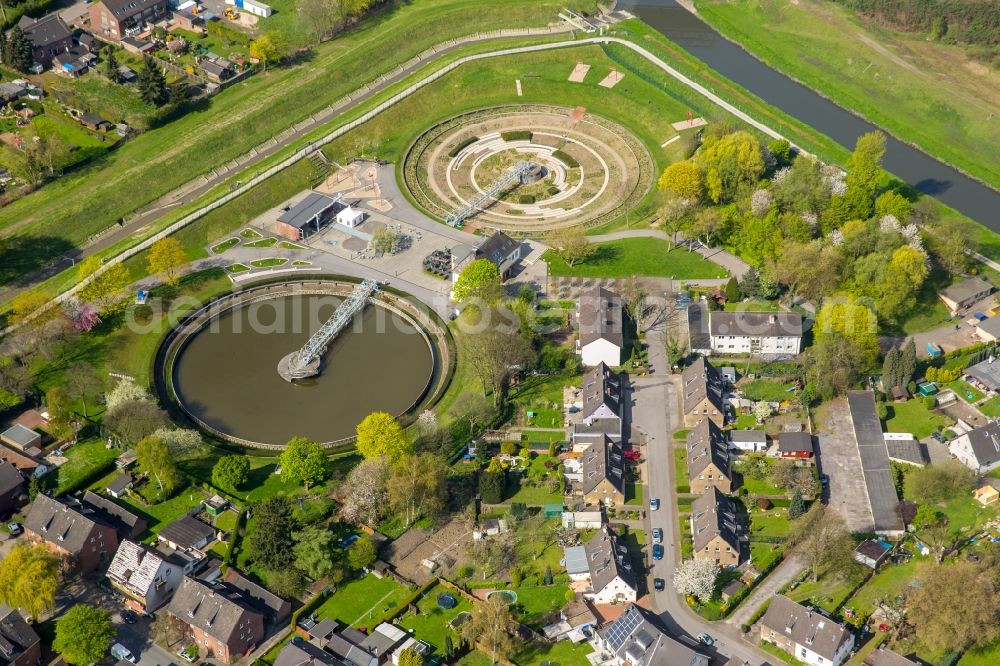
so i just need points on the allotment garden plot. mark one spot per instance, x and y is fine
(584, 169)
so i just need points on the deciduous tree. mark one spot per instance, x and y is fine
(365, 498)
(83, 634)
(939, 482)
(895, 204)
(134, 420)
(696, 578)
(82, 383)
(854, 321)
(231, 472)
(267, 48)
(728, 163)
(955, 607)
(29, 579)
(418, 485)
(808, 269)
(362, 553)
(165, 257)
(821, 538)
(864, 172)
(314, 547)
(491, 626)
(571, 244)
(305, 461)
(682, 179)
(494, 353)
(154, 458)
(107, 290)
(410, 657)
(380, 434)
(60, 412)
(479, 280)
(318, 17)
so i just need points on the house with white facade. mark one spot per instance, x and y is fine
(747, 441)
(145, 577)
(810, 637)
(601, 338)
(500, 249)
(634, 639)
(612, 578)
(978, 449)
(756, 333)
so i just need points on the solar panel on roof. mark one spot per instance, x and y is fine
(623, 627)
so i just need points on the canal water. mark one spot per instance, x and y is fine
(926, 174)
(227, 375)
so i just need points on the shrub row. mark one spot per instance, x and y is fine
(405, 603)
(234, 537)
(461, 145)
(566, 159)
(308, 607)
(516, 135)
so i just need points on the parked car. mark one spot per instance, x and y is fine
(128, 617)
(939, 437)
(13, 528)
(657, 535)
(122, 653)
(658, 584)
(657, 552)
(705, 639)
(654, 504)
(824, 479)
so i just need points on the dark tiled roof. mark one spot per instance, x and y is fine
(122, 9)
(713, 515)
(10, 478)
(635, 638)
(271, 606)
(608, 558)
(886, 657)
(603, 460)
(15, 634)
(706, 443)
(59, 523)
(601, 386)
(795, 442)
(764, 324)
(701, 380)
(113, 514)
(302, 213)
(209, 609)
(871, 549)
(804, 627)
(600, 317)
(985, 441)
(961, 291)
(497, 248)
(186, 532)
(45, 30)
(302, 653)
(120, 483)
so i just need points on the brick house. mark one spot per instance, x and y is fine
(708, 459)
(49, 36)
(83, 543)
(223, 626)
(11, 488)
(702, 386)
(715, 529)
(19, 644)
(115, 20)
(602, 474)
(603, 413)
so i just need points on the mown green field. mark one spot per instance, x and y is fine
(637, 256)
(926, 94)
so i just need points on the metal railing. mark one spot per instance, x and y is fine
(317, 344)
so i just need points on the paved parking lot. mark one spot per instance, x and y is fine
(838, 458)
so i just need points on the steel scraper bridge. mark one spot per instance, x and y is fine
(305, 362)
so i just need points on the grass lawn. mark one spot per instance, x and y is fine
(237, 268)
(827, 593)
(544, 417)
(269, 262)
(754, 305)
(966, 391)
(84, 461)
(783, 657)
(633, 494)
(562, 653)
(746, 422)
(225, 245)
(431, 622)
(926, 93)
(988, 656)
(536, 496)
(891, 580)
(768, 390)
(762, 555)
(250, 234)
(475, 659)
(299, 262)
(91, 92)
(162, 514)
(264, 242)
(288, 245)
(637, 256)
(771, 523)
(534, 603)
(913, 417)
(545, 436)
(353, 601)
(991, 408)
(680, 469)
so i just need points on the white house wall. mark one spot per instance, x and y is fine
(600, 351)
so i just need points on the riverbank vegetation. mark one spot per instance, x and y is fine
(934, 95)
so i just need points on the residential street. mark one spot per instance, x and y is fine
(656, 414)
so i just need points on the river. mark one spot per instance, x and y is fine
(928, 175)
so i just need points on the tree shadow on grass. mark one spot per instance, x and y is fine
(22, 256)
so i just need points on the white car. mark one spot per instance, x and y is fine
(122, 653)
(657, 535)
(654, 504)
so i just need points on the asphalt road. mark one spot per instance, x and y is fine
(656, 414)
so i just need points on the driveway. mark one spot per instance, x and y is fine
(838, 457)
(655, 415)
(782, 575)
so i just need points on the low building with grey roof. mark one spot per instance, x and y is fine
(187, 533)
(965, 294)
(883, 656)
(985, 375)
(810, 637)
(602, 474)
(11, 488)
(298, 652)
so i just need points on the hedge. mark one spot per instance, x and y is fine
(461, 145)
(566, 159)
(308, 607)
(738, 598)
(405, 603)
(760, 612)
(526, 199)
(516, 135)
(234, 537)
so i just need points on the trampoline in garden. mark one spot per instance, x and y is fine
(446, 601)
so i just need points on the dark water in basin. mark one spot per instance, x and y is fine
(928, 175)
(227, 375)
